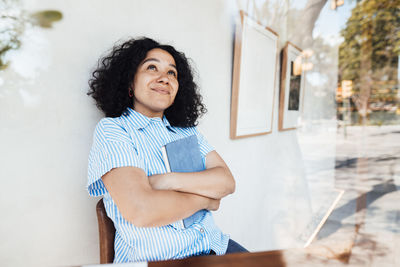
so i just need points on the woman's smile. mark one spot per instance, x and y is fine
(161, 90)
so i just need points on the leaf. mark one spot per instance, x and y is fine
(46, 18)
(3, 65)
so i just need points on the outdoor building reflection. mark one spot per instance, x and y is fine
(364, 228)
(350, 122)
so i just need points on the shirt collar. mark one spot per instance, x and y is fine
(140, 121)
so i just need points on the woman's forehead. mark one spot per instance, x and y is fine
(160, 55)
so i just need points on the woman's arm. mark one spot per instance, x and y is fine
(145, 207)
(214, 182)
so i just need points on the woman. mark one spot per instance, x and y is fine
(148, 95)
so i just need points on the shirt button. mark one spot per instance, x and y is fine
(201, 230)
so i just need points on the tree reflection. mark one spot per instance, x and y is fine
(369, 57)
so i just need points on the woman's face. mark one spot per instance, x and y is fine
(155, 84)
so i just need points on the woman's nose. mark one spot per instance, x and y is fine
(163, 78)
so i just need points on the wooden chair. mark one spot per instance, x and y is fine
(106, 234)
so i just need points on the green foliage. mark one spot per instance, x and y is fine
(369, 56)
(13, 27)
(46, 18)
(373, 31)
(4, 65)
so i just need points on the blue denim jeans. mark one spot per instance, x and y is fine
(233, 247)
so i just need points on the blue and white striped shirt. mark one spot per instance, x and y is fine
(136, 140)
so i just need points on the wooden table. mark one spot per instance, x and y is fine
(277, 258)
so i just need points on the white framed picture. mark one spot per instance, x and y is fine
(253, 86)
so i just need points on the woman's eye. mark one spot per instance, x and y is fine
(171, 72)
(151, 67)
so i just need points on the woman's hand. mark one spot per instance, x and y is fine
(160, 182)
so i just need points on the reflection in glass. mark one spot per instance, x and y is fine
(294, 88)
(369, 58)
(364, 228)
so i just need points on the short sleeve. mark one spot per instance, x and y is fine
(112, 148)
(205, 147)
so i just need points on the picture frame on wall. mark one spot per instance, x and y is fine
(291, 95)
(255, 65)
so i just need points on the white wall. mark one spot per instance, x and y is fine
(47, 123)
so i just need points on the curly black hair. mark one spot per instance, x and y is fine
(110, 82)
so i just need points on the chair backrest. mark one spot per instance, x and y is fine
(106, 234)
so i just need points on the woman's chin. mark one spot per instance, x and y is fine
(161, 106)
